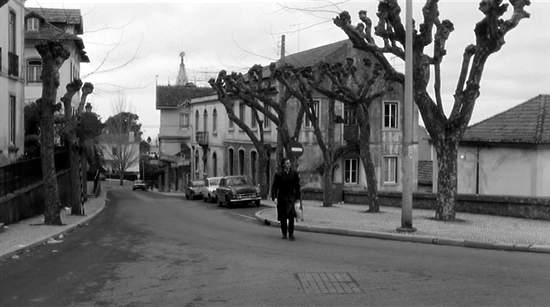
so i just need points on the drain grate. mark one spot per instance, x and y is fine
(328, 283)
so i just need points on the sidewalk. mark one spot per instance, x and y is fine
(469, 230)
(17, 237)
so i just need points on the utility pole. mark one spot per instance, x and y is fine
(407, 153)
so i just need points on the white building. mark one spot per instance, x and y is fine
(174, 134)
(120, 149)
(12, 15)
(56, 24)
(509, 153)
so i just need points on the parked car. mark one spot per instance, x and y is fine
(139, 185)
(237, 189)
(208, 191)
(194, 189)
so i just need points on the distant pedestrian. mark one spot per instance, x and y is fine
(285, 192)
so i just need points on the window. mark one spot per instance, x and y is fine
(241, 111)
(230, 161)
(13, 118)
(349, 117)
(308, 122)
(184, 120)
(197, 120)
(214, 121)
(33, 24)
(231, 123)
(390, 170)
(214, 164)
(12, 43)
(253, 122)
(205, 121)
(34, 71)
(390, 115)
(241, 162)
(266, 119)
(350, 171)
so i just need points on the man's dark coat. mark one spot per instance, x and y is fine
(286, 188)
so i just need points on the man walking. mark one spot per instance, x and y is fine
(285, 192)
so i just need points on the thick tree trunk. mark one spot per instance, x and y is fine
(262, 172)
(53, 55)
(447, 150)
(366, 159)
(52, 205)
(83, 178)
(76, 207)
(327, 184)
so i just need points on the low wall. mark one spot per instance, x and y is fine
(29, 201)
(513, 206)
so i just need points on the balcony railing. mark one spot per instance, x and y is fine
(202, 137)
(351, 133)
(13, 64)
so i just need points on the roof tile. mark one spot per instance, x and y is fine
(527, 123)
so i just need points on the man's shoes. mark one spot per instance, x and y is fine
(283, 237)
(291, 238)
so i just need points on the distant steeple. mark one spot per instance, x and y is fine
(182, 75)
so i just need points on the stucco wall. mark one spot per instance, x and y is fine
(169, 123)
(543, 168)
(504, 171)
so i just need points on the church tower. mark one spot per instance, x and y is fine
(182, 75)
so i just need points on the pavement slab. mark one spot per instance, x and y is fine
(468, 230)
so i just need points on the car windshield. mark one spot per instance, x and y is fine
(237, 181)
(214, 181)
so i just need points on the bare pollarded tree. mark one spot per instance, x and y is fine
(260, 94)
(53, 55)
(445, 131)
(356, 85)
(74, 144)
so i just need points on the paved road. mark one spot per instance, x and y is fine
(146, 249)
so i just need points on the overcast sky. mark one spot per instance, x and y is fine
(234, 35)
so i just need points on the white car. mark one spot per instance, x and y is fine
(208, 191)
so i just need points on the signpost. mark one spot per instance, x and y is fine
(296, 149)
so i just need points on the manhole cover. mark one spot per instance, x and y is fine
(328, 283)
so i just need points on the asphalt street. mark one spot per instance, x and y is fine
(146, 249)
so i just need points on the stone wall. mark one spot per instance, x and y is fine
(29, 201)
(513, 206)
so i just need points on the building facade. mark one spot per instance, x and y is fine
(120, 150)
(509, 153)
(12, 16)
(174, 137)
(52, 24)
(219, 147)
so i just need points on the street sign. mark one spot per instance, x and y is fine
(296, 149)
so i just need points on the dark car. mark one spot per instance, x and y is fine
(139, 185)
(233, 190)
(194, 189)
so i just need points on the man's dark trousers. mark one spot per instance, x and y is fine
(290, 227)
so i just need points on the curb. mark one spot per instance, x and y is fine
(69, 228)
(411, 238)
